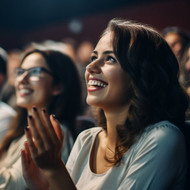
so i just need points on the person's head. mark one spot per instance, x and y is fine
(186, 59)
(48, 79)
(148, 78)
(3, 67)
(45, 79)
(185, 72)
(108, 84)
(177, 40)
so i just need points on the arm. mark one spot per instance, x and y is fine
(45, 139)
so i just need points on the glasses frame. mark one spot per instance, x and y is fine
(40, 69)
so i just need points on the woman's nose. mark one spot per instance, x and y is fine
(94, 67)
(23, 78)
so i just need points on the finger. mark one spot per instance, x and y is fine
(35, 133)
(56, 125)
(32, 148)
(41, 125)
(27, 152)
(50, 128)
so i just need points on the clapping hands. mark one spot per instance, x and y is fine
(43, 148)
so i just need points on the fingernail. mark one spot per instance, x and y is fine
(30, 117)
(27, 128)
(34, 108)
(54, 116)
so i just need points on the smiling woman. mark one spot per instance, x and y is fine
(114, 89)
(139, 145)
(43, 80)
(34, 83)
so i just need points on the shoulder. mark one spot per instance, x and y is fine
(6, 109)
(88, 134)
(162, 136)
(85, 139)
(82, 145)
(162, 130)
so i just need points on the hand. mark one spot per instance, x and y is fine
(45, 140)
(33, 176)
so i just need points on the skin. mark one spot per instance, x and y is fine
(43, 140)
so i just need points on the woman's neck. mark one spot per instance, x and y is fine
(114, 118)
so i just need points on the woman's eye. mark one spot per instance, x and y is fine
(92, 58)
(19, 73)
(110, 58)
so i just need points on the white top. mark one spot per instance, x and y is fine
(157, 161)
(6, 115)
(11, 177)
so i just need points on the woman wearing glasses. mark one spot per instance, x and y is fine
(47, 80)
(132, 79)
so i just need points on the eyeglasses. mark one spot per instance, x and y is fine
(34, 73)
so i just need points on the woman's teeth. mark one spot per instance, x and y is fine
(25, 91)
(96, 83)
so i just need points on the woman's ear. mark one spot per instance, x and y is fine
(58, 89)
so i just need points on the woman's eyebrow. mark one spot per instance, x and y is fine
(105, 52)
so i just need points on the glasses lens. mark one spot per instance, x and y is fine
(19, 72)
(35, 73)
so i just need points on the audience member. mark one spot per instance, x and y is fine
(185, 72)
(8, 92)
(43, 79)
(177, 39)
(133, 79)
(6, 112)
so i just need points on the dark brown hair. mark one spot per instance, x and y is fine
(156, 94)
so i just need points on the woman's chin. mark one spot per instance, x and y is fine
(23, 104)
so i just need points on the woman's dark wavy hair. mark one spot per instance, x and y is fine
(66, 106)
(156, 94)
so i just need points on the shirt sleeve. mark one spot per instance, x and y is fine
(73, 155)
(159, 161)
(82, 143)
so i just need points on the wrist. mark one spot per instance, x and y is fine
(52, 171)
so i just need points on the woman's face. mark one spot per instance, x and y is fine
(175, 43)
(34, 88)
(107, 83)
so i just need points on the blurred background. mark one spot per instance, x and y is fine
(23, 21)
